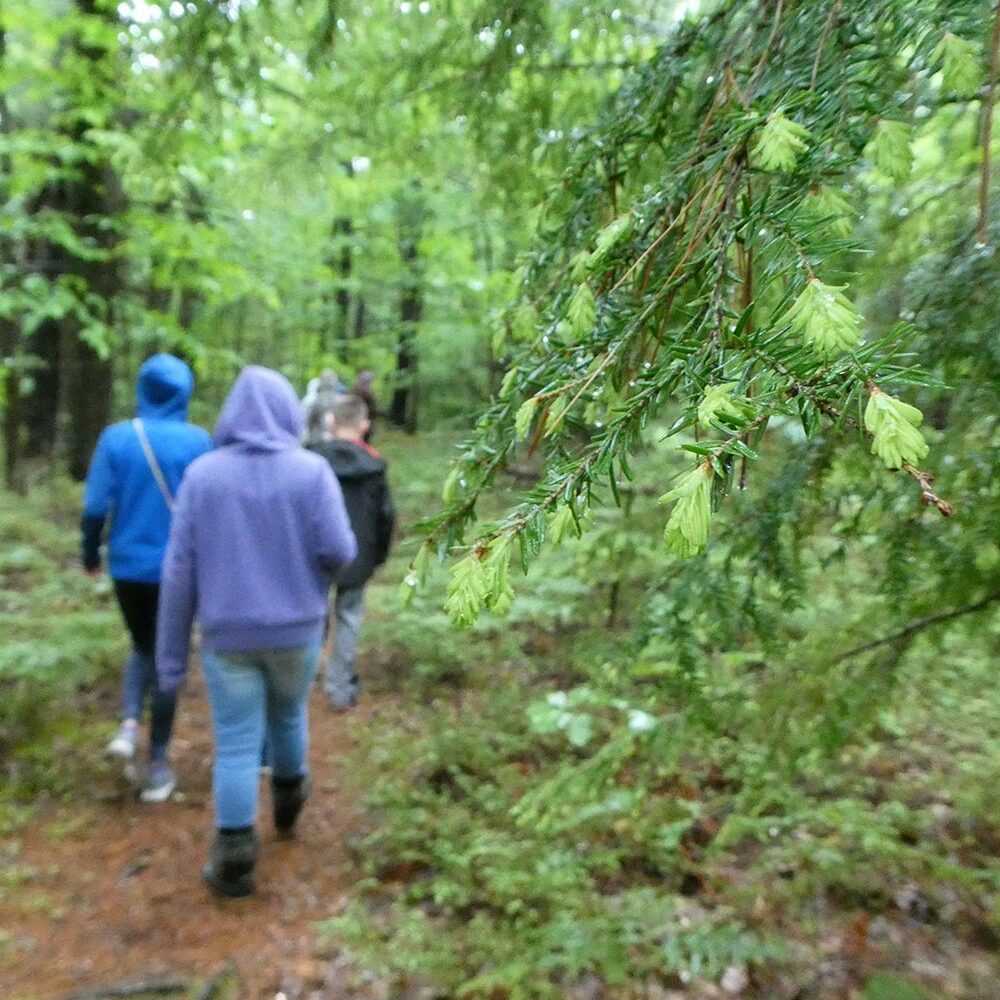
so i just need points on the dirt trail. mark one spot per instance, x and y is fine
(116, 892)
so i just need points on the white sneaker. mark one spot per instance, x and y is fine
(159, 784)
(125, 742)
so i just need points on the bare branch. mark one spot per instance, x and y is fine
(917, 626)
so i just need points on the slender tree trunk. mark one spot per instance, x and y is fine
(342, 228)
(10, 345)
(403, 407)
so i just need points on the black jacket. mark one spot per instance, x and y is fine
(369, 506)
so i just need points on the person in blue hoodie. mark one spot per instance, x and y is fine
(134, 475)
(259, 527)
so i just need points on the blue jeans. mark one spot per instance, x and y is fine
(138, 606)
(253, 695)
(340, 681)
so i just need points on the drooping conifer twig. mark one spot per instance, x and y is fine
(718, 143)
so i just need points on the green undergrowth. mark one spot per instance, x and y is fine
(666, 776)
(62, 641)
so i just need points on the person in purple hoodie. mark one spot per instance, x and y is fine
(259, 526)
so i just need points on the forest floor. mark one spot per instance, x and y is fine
(112, 893)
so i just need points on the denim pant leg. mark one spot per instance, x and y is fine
(289, 674)
(140, 682)
(138, 603)
(139, 667)
(341, 682)
(237, 692)
(164, 707)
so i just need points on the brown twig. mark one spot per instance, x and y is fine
(917, 626)
(927, 495)
(133, 989)
(984, 177)
(778, 10)
(822, 42)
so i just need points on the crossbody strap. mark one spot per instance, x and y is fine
(154, 466)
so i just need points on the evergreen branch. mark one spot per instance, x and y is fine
(916, 626)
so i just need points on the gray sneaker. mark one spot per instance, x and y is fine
(125, 742)
(159, 784)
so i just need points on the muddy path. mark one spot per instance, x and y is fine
(108, 890)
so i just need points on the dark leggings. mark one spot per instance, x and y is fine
(138, 606)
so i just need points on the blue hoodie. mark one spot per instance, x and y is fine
(120, 482)
(259, 526)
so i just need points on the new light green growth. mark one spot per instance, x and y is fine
(889, 149)
(961, 65)
(893, 425)
(826, 318)
(686, 533)
(719, 408)
(832, 208)
(779, 144)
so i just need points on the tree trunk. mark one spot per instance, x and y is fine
(343, 228)
(403, 408)
(10, 346)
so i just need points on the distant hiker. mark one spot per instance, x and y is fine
(260, 525)
(361, 473)
(134, 475)
(319, 397)
(363, 387)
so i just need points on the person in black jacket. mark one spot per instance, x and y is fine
(362, 475)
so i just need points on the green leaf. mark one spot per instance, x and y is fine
(889, 987)
(579, 729)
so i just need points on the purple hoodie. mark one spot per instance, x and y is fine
(259, 524)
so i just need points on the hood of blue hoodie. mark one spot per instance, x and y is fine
(261, 413)
(164, 388)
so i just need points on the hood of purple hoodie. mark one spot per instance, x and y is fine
(261, 413)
